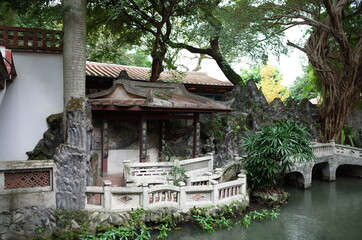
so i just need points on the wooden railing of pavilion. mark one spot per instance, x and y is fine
(29, 39)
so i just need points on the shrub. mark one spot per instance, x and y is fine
(273, 150)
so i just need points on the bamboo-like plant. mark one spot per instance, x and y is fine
(273, 150)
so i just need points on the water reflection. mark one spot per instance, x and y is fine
(330, 211)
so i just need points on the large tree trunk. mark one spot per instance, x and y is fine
(74, 54)
(340, 72)
(72, 158)
(156, 69)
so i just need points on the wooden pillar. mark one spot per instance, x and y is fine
(143, 140)
(162, 139)
(105, 148)
(197, 130)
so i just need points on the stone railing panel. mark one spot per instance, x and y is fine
(197, 166)
(163, 196)
(160, 172)
(348, 151)
(118, 199)
(323, 149)
(199, 196)
(27, 183)
(151, 173)
(124, 198)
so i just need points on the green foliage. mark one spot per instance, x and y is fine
(255, 215)
(136, 229)
(32, 14)
(166, 226)
(209, 223)
(179, 174)
(107, 50)
(349, 136)
(252, 73)
(306, 86)
(273, 150)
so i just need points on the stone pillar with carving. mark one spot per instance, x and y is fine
(73, 170)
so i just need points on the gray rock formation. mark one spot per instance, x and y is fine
(52, 138)
(72, 158)
(252, 112)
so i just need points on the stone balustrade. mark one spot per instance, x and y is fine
(118, 199)
(136, 174)
(327, 149)
(27, 183)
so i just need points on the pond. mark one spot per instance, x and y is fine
(328, 211)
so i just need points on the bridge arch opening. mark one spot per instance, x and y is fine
(321, 171)
(294, 179)
(348, 170)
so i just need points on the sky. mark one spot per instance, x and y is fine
(289, 65)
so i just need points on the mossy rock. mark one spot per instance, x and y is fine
(271, 199)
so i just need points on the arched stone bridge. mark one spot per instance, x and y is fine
(330, 156)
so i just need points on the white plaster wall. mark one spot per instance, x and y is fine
(36, 93)
(117, 156)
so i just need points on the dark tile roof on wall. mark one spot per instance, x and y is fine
(108, 70)
(125, 93)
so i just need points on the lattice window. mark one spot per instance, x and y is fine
(27, 179)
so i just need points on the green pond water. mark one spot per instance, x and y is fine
(328, 211)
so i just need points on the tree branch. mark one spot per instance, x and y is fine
(190, 48)
(289, 43)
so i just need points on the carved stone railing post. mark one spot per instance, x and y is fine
(182, 199)
(107, 197)
(333, 143)
(242, 177)
(215, 193)
(145, 197)
(211, 162)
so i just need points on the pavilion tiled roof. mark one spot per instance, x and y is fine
(148, 95)
(108, 70)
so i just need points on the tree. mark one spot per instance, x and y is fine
(272, 151)
(270, 84)
(268, 79)
(228, 31)
(334, 50)
(306, 86)
(136, 20)
(74, 54)
(252, 73)
(31, 14)
(105, 48)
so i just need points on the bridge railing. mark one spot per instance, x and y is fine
(348, 150)
(326, 149)
(323, 149)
